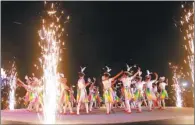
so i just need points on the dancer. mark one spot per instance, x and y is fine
(115, 98)
(72, 98)
(126, 80)
(29, 95)
(97, 98)
(64, 96)
(92, 95)
(149, 93)
(35, 89)
(122, 101)
(108, 92)
(144, 95)
(163, 92)
(139, 93)
(133, 90)
(155, 91)
(81, 92)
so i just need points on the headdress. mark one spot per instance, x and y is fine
(148, 73)
(162, 78)
(82, 70)
(107, 71)
(128, 70)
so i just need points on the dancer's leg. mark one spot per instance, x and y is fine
(163, 103)
(78, 107)
(64, 107)
(86, 106)
(127, 105)
(70, 107)
(90, 106)
(139, 106)
(107, 108)
(150, 105)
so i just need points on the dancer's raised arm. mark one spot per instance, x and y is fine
(116, 76)
(166, 81)
(156, 76)
(24, 85)
(138, 71)
(21, 83)
(88, 82)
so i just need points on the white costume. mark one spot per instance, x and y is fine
(81, 92)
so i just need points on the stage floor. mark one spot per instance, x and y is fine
(98, 116)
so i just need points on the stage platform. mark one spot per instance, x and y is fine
(171, 115)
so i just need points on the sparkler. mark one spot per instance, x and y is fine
(12, 83)
(50, 42)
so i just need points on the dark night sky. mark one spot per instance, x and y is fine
(100, 33)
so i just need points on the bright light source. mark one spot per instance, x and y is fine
(184, 84)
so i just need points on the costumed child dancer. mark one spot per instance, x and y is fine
(122, 98)
(115, 97)
(155, 91)
(139, 93)
(39, 93)
(92, 95)
(81, 91)
(163, 92)
(149, 93)
(28, 96)
(133, 90)
(126, 80)
(108, 92)
(72, 98)
(64, 96)
(98, 98)
(35, 94)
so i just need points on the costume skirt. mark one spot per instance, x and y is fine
(108, 95)
(127, 93)
(138, 96)
(82, 96)
(150, 95)
(163, 94)
(92, 97)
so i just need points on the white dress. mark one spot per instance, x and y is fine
(108, 92)
(163, 93)
(139, 91)
(82, 93)
(127, 87)
(149, 90)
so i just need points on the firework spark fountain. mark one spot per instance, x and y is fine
(177, 75)
(187, 26)
(3, 78)
(12, 83)
(50, 42)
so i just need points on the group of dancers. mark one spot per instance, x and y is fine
(134, 92)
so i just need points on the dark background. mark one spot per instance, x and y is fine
(99, 34)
